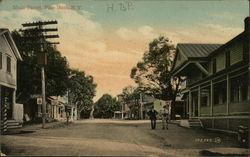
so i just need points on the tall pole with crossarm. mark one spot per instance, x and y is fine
(42, 55)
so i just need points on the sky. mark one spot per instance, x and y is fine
(106, 38)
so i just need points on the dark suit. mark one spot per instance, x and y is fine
(152, 115)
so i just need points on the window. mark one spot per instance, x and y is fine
(205, 96)
(1, 62)
(239, 88)
(220, 65)
(8, 64)
(220, 93)
(236, 53)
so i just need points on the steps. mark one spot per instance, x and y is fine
(195, 123)
(13, 124)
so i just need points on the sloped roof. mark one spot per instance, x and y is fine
(6, 32)
(197, 50)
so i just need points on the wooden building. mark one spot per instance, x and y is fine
(217, 81)
(9, 55)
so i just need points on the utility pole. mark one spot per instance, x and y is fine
(42, 55)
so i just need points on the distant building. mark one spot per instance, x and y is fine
(57, 108)
(9, 55)
(217, 84)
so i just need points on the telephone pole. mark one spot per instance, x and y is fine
(42, 55)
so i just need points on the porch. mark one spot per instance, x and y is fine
(222, 102)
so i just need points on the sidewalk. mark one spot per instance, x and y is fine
(36, 127)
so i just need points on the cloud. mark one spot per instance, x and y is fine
(14, 18)
(125, 33)
(147, 32)
(140, 34)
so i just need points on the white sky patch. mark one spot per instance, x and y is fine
(147, 32)
(126, 33)
(141, 34)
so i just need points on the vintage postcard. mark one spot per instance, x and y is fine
(125, 78)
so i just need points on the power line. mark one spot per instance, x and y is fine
(38, 33)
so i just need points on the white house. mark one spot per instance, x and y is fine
(9, 55)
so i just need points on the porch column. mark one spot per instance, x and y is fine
(199, 101)
(212, 97)
(72, 112)
(75, 114)
(186, 102)
(240, 93)
(190, 104)
(13, 104)
(57, 111)
(228, 93)
(193, 106)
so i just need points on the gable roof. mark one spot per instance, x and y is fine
(197, 50)
(7, 34)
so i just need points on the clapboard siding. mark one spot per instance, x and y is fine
(236, 53)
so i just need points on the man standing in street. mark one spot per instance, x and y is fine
(152, 115)
(165, 117)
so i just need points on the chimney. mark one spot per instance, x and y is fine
(247, 24)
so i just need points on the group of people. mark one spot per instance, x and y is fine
(164, 113)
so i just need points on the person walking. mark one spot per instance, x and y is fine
(165, 117)
(152, 115)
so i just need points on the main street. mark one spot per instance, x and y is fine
(116, 138)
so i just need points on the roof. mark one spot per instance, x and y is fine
(6, 33)
(197, 50)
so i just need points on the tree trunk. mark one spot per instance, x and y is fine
(91, 116)
(78, 115)
(173, 111)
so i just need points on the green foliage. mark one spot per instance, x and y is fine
(132, 97)
(153, 73)
(29, 72)
(106, 106)
(59, 77)
(82, 89)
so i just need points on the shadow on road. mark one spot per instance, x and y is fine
(20, 132)
(209, 153)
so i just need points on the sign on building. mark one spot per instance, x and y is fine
(39, 101)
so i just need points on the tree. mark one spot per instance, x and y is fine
(153, 73)
(106, 106)
(29, 71)
(132, 98)
(82, 89)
